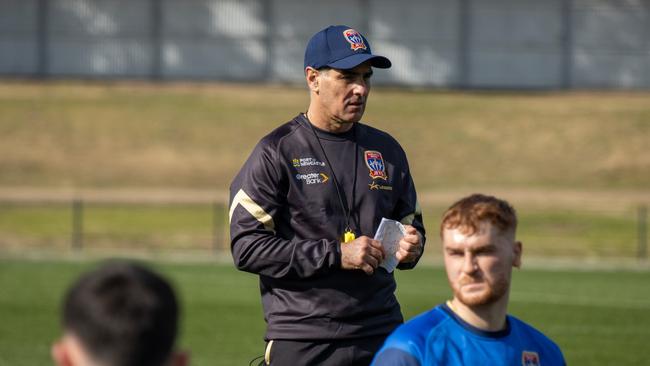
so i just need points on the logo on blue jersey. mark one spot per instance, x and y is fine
(529, 358)
(375, 162)
(355, 39)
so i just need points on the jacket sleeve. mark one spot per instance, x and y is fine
(408, 212)
(257, 204)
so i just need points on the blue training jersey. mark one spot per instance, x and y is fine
(440, 337)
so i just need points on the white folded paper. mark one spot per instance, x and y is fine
(389, 233)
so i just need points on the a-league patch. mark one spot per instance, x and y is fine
(375, 186)
(529, 358)
(375, 162)
(355, 39)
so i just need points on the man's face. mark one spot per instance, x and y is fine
(479, 266)
(343, 93)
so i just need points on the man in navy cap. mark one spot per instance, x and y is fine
(305, 207)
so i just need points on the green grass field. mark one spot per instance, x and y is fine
(74, 134)
(555, 156)
(597, 317)
(576, 165)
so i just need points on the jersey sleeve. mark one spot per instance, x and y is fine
(408, 211)
(257, 199)
(400, 348)
(394, 357)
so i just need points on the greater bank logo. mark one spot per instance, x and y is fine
(313, 178)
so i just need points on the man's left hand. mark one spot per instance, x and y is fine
(410, 247)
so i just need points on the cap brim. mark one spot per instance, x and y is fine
(353, 61)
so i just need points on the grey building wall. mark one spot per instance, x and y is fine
(18, 37)
(432, 43)
(611, 43)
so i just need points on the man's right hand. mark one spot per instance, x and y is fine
(362, 253)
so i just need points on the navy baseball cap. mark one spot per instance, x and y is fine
(341, 47)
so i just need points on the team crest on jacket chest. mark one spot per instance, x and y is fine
(375, 162)
(529, 358)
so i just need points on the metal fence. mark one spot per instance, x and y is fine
(433, 43)
(89, 225)
(201, 227)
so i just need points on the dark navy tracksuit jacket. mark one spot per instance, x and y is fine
(287, 223)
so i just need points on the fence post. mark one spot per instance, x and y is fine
(226, 225)
(77, 224)
(42, 39)
(215, 226)
(267, 39)
(156, 40)
(464, 40)
(364, 25)
(567, 44)
(642, 225)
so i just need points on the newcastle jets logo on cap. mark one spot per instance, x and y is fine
(375, 163)
(530, 358)
(355, 39)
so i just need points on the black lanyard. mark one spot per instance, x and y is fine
(347, 211)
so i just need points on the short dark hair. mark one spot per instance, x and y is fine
(468, 213)
(123, 314)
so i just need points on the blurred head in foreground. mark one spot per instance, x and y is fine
(120, 314)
